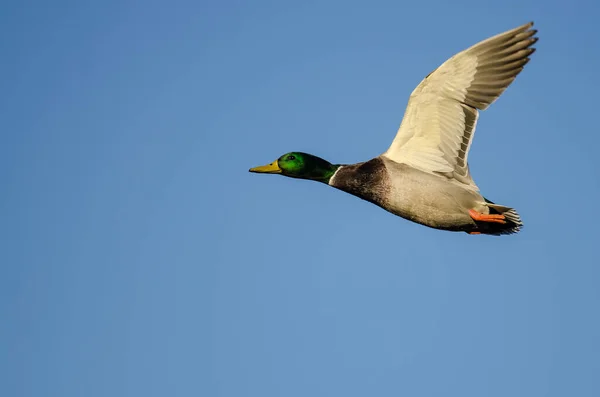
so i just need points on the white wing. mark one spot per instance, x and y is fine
(439, 123)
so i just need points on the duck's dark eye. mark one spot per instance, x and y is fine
(290, 158)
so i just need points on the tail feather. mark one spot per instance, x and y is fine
(513, 220)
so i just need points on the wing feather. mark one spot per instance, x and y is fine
(441, 117)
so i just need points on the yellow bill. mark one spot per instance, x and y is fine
(272, 168)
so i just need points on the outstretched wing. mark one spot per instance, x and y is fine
(439, 123)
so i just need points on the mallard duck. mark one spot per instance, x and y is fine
(424, 175)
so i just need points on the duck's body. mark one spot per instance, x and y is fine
(424, 175)
(418, 196)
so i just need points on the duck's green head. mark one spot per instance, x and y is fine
(300, 165)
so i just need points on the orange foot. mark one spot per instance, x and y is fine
(479, 217)
(474, 232)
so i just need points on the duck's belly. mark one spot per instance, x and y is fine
(431, 200)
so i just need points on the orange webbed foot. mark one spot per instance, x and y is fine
(492, 218)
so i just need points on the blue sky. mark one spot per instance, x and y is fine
(140, 258)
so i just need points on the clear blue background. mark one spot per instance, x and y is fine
(140, 258)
